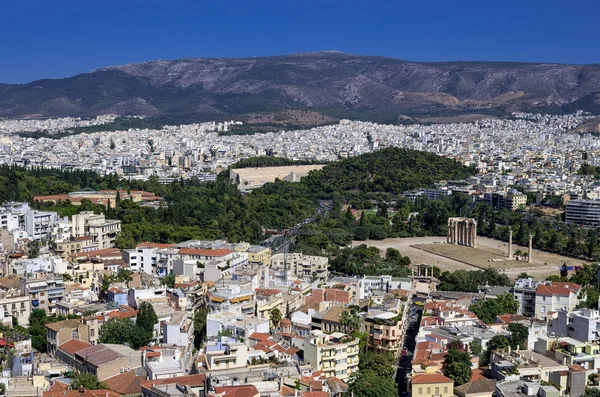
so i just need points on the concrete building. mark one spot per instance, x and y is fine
(226, 355)
(16, 304)
(583, 324)
(512, 201)
(62, 331)
(303, 266)
(555, 297)
(39, 224)
(385, 331)
(101, 231)
(524, 293)
(583, 212)
(335, 354)
(44, 293)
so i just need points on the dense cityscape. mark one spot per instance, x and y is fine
(299, 199)
(83, 307)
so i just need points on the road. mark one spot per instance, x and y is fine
(404, 366)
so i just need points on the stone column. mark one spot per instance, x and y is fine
(530, 252)
(510, 252)
(454, 232)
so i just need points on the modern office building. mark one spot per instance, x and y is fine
(583, 212)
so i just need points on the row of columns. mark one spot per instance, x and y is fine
(462, 231)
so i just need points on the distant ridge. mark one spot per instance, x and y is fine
(330, 82)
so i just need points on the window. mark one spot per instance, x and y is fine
(93, 331)
(42, 293)
(420, 390)
(543, 309)
(445, 389)
(437, 391)
(428, 390)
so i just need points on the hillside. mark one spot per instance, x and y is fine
(331, 83)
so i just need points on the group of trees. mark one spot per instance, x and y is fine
(375, 376)
(488, 309)
(457, 364)
(468, 280)
(123, 330)
(363, 260)
(517, 339)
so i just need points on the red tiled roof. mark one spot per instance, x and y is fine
(430, 378)
(126, 383)
(73, 345)
(551, 290)
(314, 394)
(192, 380)
(236, 391)
(204, 252)
(267, 291)
(154, 245)
(259, 336)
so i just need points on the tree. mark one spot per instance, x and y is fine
(112, 144)
(497, 342)
(87, 380)
(350, 321)
(519, 335)
(200, 325)
(475, 348)
(144, 325)
(591, 392)
(488, 309)
(367, 383)
(457, 365)
(380, 363)
(592, 242)
(275, 317)
(169, 280)
(117, 331)
(459, 372)
(523, 275)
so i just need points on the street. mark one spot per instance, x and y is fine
(404, 366)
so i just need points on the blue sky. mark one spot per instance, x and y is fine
(59, 38)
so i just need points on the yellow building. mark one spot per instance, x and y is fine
(259, 254)
(430, 385)
(335, 354)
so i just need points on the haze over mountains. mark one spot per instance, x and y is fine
(332, 83)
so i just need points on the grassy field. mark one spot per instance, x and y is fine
(434, 251)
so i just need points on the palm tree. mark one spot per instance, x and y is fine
(275, 317)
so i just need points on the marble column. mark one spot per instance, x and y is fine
(530, 252)
(510, 252)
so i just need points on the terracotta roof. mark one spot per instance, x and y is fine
(204, 252)
(57, 326)
(430, 378)
(236, 391)
(477, 387)
(126, 383)
(285, 322)
(287, 391)
(98, 355)
(267, 292)
(73, 345)
(76, 393)
(314, 394)
(333, 314)
(102, 253)
(259, 336)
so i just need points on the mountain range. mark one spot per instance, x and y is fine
(331, 83)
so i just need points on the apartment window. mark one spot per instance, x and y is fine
(445, 389)
(543, 309)
(22, 305)
(42, 293)
(93, 332)
(437, 391)
(420, 390)
(14, 306)
(42, 302)
(544, 298)
(428, 390)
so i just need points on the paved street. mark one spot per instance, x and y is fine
(409, 344)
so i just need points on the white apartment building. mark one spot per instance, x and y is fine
(303, 266)
(583, 212)
(583, 325)
(335, 354)
(102, 231)
(555, 297)
(39, 225)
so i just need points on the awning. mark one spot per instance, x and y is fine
(240, 299)
(217, 299)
